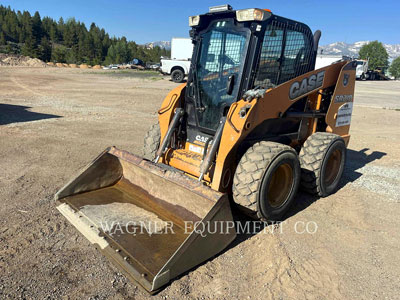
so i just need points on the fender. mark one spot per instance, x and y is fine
(338, 117)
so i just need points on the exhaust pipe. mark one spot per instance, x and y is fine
(317, 36)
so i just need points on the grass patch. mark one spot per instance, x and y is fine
(146, 74)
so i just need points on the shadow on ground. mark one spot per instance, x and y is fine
(17, 113)
(355, 161)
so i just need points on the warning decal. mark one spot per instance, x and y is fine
(196, 149)
(344, 114)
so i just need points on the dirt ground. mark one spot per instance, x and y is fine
(54, 121)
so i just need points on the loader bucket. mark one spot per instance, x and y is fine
(151, 220)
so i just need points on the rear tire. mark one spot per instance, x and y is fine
(266, 180)
(177, 76)
(151, 142)
(322, 160)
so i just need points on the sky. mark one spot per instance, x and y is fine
(154, 20)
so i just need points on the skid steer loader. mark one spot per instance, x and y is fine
(253, 123)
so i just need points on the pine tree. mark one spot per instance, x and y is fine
(29, 48)
(66, 41)
(53, 33)
(69, 33)
(111, 55)
(37, 28)
(96, 44)
(45, 49)
(2, 39)
(26, 26)
(59, 54)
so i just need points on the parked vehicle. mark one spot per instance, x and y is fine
(136, 62)
(111, 67)
(153, 66)
(362, 69)
(323, 60)
(179, 64)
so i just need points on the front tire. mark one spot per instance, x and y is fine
(266, 180)
(322, 160)
(177, 76)
(151, 142)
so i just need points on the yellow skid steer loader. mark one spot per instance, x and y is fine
(253, 123)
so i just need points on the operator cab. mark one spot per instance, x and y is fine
(235, 51)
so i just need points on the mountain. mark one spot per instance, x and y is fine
(162, 44)
(342, 48)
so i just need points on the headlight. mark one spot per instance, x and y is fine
(252, 14)
(194, 21)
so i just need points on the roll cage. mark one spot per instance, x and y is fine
(278, 50)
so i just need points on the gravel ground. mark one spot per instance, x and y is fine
(54, 121)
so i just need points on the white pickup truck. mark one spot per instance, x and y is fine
(179, 64)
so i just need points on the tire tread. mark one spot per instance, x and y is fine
(250, 170)
(311, 156)
(151, 142)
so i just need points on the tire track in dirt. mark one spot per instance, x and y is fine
(14, 80)
(261, 268)
(279, 275)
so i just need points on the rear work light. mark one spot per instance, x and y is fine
(252, 14)
(194, 21)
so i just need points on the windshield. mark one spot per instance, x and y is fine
(222, 54)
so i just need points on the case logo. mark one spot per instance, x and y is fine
(201, 138)
(307, 85)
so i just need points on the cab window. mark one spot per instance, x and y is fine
(285, 54)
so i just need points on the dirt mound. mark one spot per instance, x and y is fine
(96, 67)
(73, 66)
(84, 66)
(20, 61)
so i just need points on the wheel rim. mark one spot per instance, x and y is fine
(280, 185)
(177, 77)
(333, 167)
